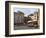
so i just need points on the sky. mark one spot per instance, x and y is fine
(26, 11)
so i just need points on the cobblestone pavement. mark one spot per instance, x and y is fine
(19, 27)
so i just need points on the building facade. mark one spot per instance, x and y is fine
(18, 17)
(34, 17)
(38, 17)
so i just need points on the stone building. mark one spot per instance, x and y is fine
(39, 17)
(18, 17)
(34, 18)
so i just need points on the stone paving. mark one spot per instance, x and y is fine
(24, 26)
